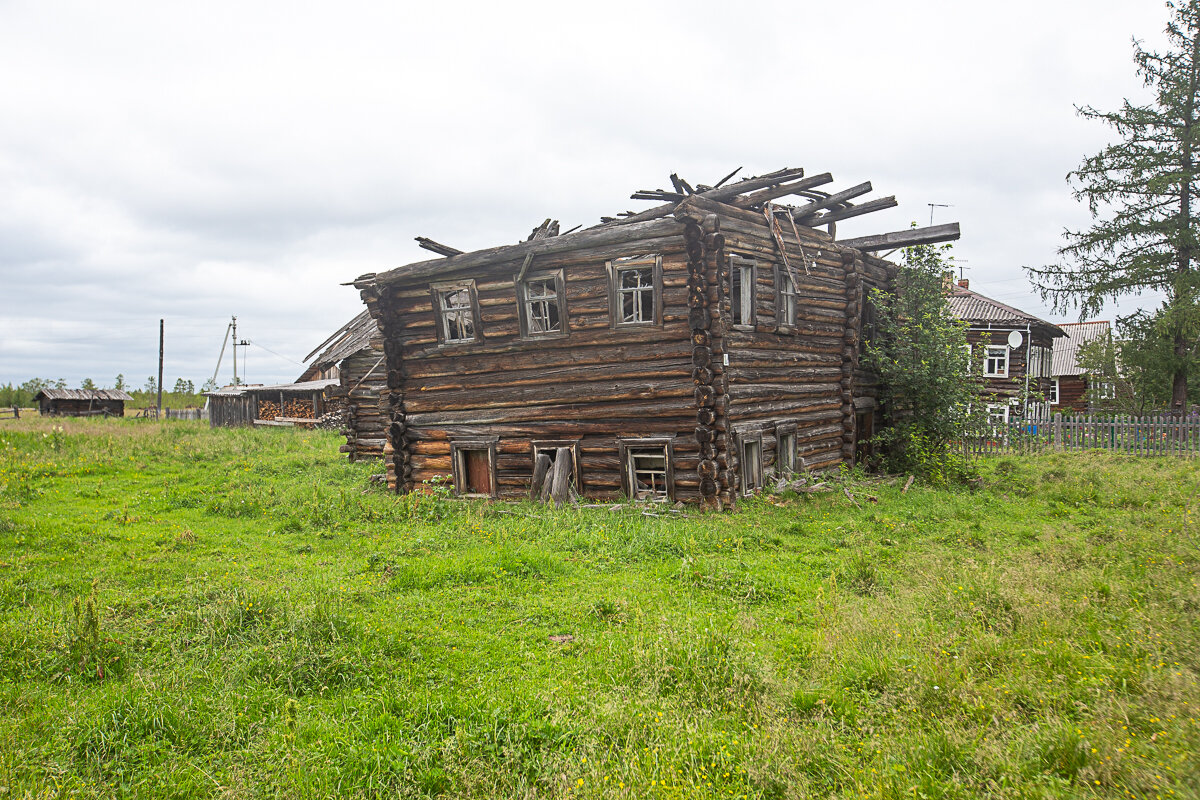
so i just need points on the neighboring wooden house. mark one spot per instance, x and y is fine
(234, 406)
(1012, 348)
(354, 355)
(685, 353)
(1071, 390)
(81, 402)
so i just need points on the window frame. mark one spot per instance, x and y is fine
(993, 407)
(745, 438)
(627, 448)
(625, 264)
(437, 290)
(458, 465)
(783, 279)
(740, 264)
(521, 287)
(1055, 389)
(987, 356)
(542, 445)
(785, 431)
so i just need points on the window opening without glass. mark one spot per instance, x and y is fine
(741, 290)
(456, 312)
(787, 297)
(648, 472)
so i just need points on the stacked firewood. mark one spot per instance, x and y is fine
(296, 409)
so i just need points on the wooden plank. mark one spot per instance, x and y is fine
(853, 211)
(832, 200)
(905, 238)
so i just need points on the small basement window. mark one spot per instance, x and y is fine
(741, 290)
(457, 309)
(474, 465)
(635, 290)
(785, 451)
(648, 471)
(542, 304)
(751, 453)
(550, 448)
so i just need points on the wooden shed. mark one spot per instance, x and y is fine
(81, 402)
(233, 406)
(354, 355)
(685, 353)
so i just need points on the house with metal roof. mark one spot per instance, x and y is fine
(1012, 348)
(1071, 390)
(81, 402)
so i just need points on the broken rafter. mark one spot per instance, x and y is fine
(905, 238)
(753, 184)
(681, 186)
(438, 247)
(812, 208)
(656, 194)
(772, 192)
(546, 230)
(721, 182)
(853, 211)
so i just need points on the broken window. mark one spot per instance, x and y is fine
(457, 311)
(648, 471)
(636, 290)
(786, 303)
(785, 450)
(474, 466)
(751, 464)
(741, 290)
(542, 304)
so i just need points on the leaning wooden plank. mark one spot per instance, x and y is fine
(754, 184)
(849, 194)
(560, 482)
(540, 469)
(438, 247)
(853, 211)
(905, 238)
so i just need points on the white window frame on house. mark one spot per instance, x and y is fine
(787, 305)
(638, 302)
(1106, 390)
(542, 303)
(995, 361)
(743, 273)
(641, 477)
(1052, 397)
(997, 414)
(456, 307)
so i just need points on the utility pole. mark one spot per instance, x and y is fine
(158, 413)
(235, 380)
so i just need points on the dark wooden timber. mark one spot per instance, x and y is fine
(837, 215)
(809, 209)
(905, 238)
(438, 247)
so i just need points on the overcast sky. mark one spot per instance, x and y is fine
(194, 162)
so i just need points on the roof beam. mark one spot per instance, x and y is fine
(905, 238)
(754, 184)
(853, 211)
(849, 194)
(438, 247)
(771, 192)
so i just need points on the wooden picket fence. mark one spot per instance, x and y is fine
(1155, 435)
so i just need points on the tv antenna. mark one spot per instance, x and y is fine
(932, 206)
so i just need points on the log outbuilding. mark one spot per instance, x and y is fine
(81, 402)
(354, 356)
(685, 353)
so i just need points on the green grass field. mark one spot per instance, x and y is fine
(189, 613)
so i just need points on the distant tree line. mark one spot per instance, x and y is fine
(183, 394)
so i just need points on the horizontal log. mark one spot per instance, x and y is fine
(906, 238)
(812, 208)
(782, 190)
(854, 211)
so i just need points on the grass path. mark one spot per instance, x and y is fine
(190, 613)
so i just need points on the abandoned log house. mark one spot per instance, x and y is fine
(354, 356)
(685, 353)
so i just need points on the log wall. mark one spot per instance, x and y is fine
(363, 377)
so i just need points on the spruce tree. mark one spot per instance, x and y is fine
(1140, 193)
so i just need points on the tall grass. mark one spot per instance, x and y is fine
(241, 613)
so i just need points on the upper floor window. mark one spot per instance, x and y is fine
(635, 292)
(457, 308)
(542, 304)
(1052, 396)
(785, 301)
(995, 362)
(741, 290)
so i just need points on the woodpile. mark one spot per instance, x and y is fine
(292, 409)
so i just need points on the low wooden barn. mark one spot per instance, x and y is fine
(234, 406)
(354, 355)
(684, 353)
(1013, 351)
(81, 402)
